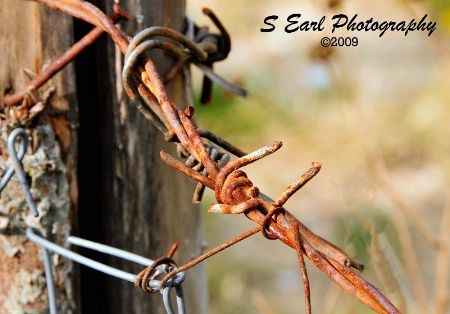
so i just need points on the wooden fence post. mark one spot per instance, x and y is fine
(94, 166)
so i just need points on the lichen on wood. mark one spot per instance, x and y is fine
(23, 286)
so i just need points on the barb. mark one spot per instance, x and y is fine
(300, 251)
(239, 163)
(297, 185)
(171, 161)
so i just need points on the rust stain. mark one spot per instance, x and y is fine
(10, 266)
(37, 37)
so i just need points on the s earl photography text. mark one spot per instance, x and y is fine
(295, 23)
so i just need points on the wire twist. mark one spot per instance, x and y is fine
(150, 273)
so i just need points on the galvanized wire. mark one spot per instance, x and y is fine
(37, 237)
(16, 160)
(180, 297)
(10, 171)
(33, 233)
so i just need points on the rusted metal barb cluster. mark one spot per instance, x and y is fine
(234, 191)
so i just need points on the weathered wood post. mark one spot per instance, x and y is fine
(94, 167)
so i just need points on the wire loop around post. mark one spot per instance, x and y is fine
(150, 272)
(16, 160)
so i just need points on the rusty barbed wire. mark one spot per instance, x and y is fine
(234, 188)
(234, 191)
(56, 66)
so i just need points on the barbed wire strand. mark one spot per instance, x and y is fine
(184, 128)
(56, 66)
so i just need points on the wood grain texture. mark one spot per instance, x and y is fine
(132, 200)
(30, 40)
(101, 176)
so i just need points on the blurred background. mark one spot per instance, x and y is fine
(376, 116)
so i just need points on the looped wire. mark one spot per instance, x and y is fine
(16, 160)
(268, 220)
(150, 273)
(180, 296)
(198, 45)
(23, 148)
(204, 49)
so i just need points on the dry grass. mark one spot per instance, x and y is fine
(376, 116)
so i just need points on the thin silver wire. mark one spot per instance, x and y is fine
(155, 284)
(49, 279)
(36, 236)
(10, 171)
(174, 282)
(180, 298)
(17, 166)
(16, 160)
(113, 251)
(79, 258)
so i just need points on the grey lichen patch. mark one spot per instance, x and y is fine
(48, 185)
(27, 290)
(47, 178)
